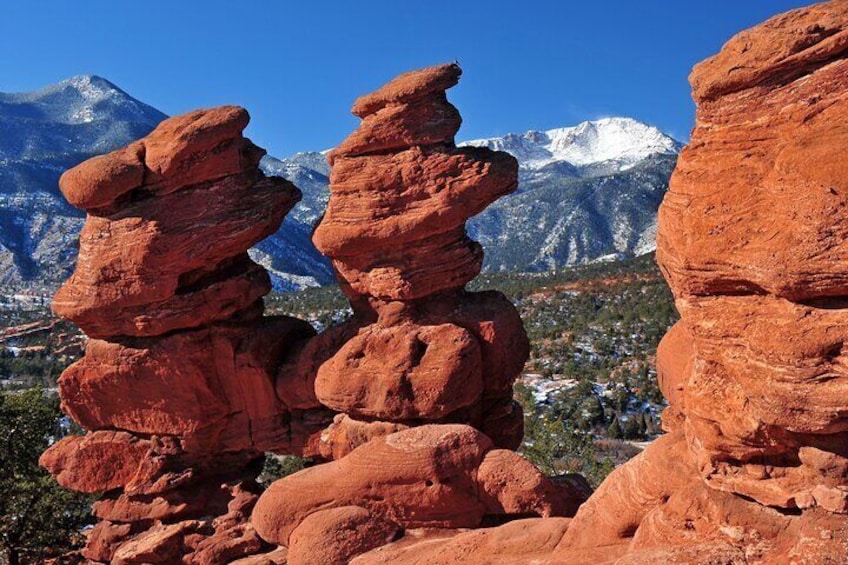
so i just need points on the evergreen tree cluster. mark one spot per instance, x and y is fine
(38, 518)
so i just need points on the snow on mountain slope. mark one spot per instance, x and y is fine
(554, 220)
(43, 134)
(585, 192)
(622, 142)
(289, 255)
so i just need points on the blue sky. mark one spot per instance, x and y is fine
(298, 66)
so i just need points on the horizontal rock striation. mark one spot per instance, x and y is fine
(752, 242)
(425, 350)
(422, 374)
(754, 467)
(177, 384)
(185, 383)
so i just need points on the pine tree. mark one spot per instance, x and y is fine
(35, 512)
(614, 430)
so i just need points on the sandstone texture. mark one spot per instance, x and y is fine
(177, 384)
(432, 476)
(752, 243)
(754, 467)
(751, 239)
(421, 349)
(422, 374)
(406, 408)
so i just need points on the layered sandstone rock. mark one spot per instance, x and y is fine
(401, 192)
(185, 383)
(422, 374)
(178, 381)
(752, 241)
(751, 238)
(433, 476)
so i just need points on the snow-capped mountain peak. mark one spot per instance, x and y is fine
(622, 142)
(91, 87)
(78, 100)
(586, 192)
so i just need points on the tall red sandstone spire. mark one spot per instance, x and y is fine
(423, 373)
(395, 230)
(177, 382)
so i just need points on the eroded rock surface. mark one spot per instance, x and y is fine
(753, 468)
(185, 383)
(177, 383)
(752, 242)
(401, 192)
(422, 374)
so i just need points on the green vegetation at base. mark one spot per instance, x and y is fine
(322, 306)
(278, 466)
(30, 368)
(38, 518)
(556, 447)
(36, 353)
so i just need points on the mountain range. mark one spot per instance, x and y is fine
(586, 193)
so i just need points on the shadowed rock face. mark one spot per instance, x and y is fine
(177, 383)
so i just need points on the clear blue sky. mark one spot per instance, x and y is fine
(298, 66)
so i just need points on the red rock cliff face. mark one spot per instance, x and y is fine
(177, 383)
(752, 239)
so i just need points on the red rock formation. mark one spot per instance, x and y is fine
(518, 542)
(186, 383)
(177, 384)
(335, 535)
(433, 476)
(401, 192)
(424, 365)
(751, 238)
(752, 241)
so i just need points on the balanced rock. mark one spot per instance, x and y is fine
(423, 366)
(180, 359)
(425, 476)
(169, 251)
(401, 192)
